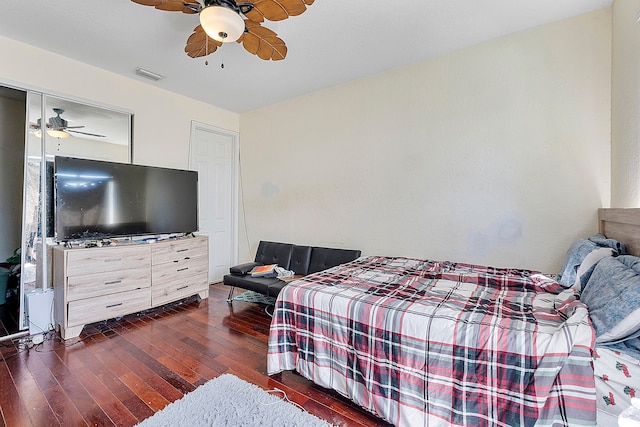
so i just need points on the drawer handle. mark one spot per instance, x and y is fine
(113, 282)
(182, 250)
(113, 260)
(114, 305)
(183, 269)
(183, 287)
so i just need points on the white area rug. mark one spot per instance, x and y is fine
(230, 401)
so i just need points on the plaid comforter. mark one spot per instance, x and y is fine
(427, 343)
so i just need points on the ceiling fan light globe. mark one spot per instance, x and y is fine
(57, 133)
(221, 23)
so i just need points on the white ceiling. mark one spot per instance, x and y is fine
(333, 42)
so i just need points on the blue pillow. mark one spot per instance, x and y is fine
(590, 250)
(589, 264)
(613, 297)
(576, 253)
(602, 241)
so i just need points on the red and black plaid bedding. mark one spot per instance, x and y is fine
(427, 343)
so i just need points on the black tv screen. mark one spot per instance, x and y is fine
(97, 199)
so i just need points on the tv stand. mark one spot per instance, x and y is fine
(100, 283)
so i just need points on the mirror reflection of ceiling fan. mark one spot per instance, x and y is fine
(223, 21)
(58, 127)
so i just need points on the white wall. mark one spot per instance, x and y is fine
(162, 120)
(498, 154)
(87, 148)
(625, 118)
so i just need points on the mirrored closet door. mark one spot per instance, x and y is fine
(12, 155)
(52, 126)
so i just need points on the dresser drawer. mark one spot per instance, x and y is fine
(99, 260)
(177, 289)
(178, 270)
(168, 251)
(106, 307)
(179, 279)
(98, 284)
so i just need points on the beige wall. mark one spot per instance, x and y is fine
(625, 117)
(498, 154)
(162, 120)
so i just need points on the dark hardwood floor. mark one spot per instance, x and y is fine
(121, 372)
(8, 319)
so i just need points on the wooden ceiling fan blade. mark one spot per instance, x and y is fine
(197, 44)
(184, 6)
(263, 42)
(272, 48)
(276, 10)
(148, 2)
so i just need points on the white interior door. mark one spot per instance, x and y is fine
(214, 154)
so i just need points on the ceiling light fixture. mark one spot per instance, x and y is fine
(222, 23)
(57, 133)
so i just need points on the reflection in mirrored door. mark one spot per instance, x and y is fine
(12, 153)
(32, 275)
(58, 127)
(34, 128)
(76, 129)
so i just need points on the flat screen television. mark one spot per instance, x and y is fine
(97, 200)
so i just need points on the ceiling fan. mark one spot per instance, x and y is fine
(58, 127)
(223, 21)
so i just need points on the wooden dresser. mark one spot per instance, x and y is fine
(94, 284)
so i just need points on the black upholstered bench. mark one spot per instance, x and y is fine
(302, 260)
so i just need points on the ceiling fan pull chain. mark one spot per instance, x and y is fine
(222, 55)
(206, 49)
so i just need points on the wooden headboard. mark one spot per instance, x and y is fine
(622, 224)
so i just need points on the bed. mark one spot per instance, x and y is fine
(617, 365)
(431, 343)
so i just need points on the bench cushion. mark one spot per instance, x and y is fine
(255, 284)
(323, 258)
(300, 258)
(274, 253)
(242, 269)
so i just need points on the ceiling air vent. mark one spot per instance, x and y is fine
(148, 74)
